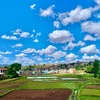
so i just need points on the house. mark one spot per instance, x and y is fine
(62, 71)
(3, 72)
(72, 70)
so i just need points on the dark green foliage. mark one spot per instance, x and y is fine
(11, 72)
(16, 66)
(96, 68)
(77, 67)
(89, 69)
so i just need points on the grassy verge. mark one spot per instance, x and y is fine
(9, 85)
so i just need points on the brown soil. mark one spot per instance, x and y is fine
(38, 95)
(3, 91)
(93, 86)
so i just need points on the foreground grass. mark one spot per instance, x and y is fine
(50, 85)
(90, 91)
(89, 97)
(9, 85)
(82, 86)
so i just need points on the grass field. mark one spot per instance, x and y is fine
(85, 86)
(90, 92)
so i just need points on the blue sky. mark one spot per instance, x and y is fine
(52, 31)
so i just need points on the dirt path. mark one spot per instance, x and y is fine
(38, 95)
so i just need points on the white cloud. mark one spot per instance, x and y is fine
(89, 38)
(5, 60)
(33, 31)
(48, 12)
(75, 15)
(24, 60)
(56, 24)
(71, 56)
(33, 6)
(17, 32)
(24, 34)
(58, 54)
(36, 40)
(1, 56)
(7, 52)
(97, 15)
(29, 50)
(71, 45)
(31, 35)
(90, 58)
(9, 37)
(97, 1)
(49, 50)
(61, 36)
(38, 58)
(91, 27)
(38, 34)
(17, 45)
(91, 49)
(20, 55)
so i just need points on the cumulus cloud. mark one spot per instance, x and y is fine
(90, 58)
(5, 60)
(58, 54)
(29, 50)
(24, 34)
(89, 38)
(71, 56)
(17, 45)
(33, 6)
(24, 60)
(91, 27)
(31, 35)
(17, 32)
(1, 56)
(7, 52)
(97, 1)
(20, 55)
(36, 40)
(56, 24)
(72, 45)
(9, 37)
(61, 36)
(38, 58)
(48, 12)
(91, 49)
(49, 50)
(33, 30)
(75, 15)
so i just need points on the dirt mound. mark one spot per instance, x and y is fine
(38, 95)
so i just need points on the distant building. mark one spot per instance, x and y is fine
(72, 70)
(3, 72)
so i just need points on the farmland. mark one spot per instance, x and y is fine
(80, 86)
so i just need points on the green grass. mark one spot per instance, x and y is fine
(89, 97)
(50, 85)
(8, 85)
(91, 92)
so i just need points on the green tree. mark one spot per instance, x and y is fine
(89, 69)
(96, 68)
(11, 72)
(16, 66)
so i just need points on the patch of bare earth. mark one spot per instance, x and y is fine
(38, 95)
(3, 91)
(93, 86)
